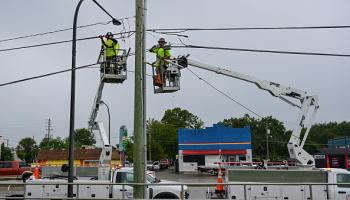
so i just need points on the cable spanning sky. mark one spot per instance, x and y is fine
(25, 107)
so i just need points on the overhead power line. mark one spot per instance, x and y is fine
(46, 75)
(55, 73)
(226, 95)
(59, 30)
(60, 42)
(262, 50)
(250, 28)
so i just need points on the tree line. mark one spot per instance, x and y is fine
(163, 142)
(27, 148)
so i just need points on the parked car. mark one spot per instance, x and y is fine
(153, 166)
(156, 166)
(15, 170)
(164, 163)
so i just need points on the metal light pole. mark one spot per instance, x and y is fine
(109, 121)
(267, 143)
(72, 96)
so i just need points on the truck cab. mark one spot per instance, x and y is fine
(159, 191)
(15, 170)
(338, 191)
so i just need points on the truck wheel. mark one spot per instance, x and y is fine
(13, 197)
(166, 195)
(25, 177)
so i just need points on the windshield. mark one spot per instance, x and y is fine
(149, 162)
(343, 178)
(152, 179)
(127, 177)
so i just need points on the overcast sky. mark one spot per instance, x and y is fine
(25, 107)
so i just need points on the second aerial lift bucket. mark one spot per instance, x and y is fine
(166, 80)
(114, 71)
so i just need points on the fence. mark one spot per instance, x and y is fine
(16, 190)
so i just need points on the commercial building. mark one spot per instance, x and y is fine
(82, 157)
(336, 155)
(201, 148)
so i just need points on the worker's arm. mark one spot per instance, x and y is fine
(154, 49)
(102, 41)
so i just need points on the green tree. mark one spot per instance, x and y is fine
(162, 135)
(182, 119)
(83, 137)
(320, 134)
(278, 137)
(6, 153)
(129, 150)
(53, 144)
(27, 149)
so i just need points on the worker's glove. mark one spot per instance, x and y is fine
(154, 46)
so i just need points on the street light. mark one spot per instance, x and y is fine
(72, 95)
(109, 121)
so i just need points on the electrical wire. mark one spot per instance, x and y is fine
(181, 30)
(59, 42)
(60, 30)
(46, 75)
(226, 95)
(262, 51)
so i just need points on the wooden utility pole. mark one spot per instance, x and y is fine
(139, 158)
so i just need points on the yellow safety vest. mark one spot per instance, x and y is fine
(111, 48)
(161, 53)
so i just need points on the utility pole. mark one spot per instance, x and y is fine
(144, 86)
(139, 157)
(48, 128)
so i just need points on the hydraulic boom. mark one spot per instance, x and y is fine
(297, 141)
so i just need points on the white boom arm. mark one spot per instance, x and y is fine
(295, 144)
(106, 153)
(96, 106)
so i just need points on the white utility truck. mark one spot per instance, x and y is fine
(56, 187)
(288, 184)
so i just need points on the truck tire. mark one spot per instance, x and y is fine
(166, 195)
(25, 176)
(13, 197)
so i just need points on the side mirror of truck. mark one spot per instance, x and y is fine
(64, 168)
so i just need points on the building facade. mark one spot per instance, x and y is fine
(82, 157)
(201, 148)
(336, 155)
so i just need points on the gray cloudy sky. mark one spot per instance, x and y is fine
(25, 107)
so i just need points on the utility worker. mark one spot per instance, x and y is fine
(162, 53)
(111, 48)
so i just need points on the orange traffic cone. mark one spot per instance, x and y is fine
(220, 192)
(36, 173)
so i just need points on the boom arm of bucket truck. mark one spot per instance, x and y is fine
(106, 153)
(296, 141)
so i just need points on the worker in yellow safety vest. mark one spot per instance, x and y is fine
(110, 48)
(162, 53)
